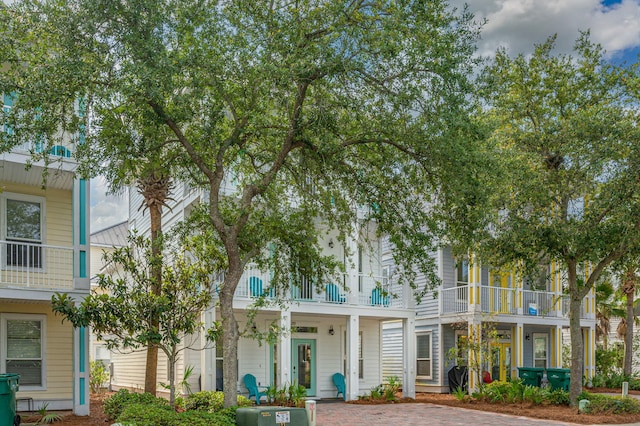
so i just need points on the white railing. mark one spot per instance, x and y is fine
(583, 309)
(455, 299)
(540, 303)
(35, 266)
(354, 289)
(498, 300)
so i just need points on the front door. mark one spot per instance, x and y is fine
(501, 361)
(303, 360)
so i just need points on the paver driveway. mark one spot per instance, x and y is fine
(341, 414)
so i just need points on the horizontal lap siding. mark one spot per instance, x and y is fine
(448, 268)
(58, 352)
(392, 350)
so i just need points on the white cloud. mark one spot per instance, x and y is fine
(519, 24)
(106, 210)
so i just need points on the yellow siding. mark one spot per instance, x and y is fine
(58, 211)
(59, 352)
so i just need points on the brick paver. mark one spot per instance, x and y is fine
(418, 414)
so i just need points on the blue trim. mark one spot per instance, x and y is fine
(82, 343)
(83, 264)
(82, 386)
(82, 208)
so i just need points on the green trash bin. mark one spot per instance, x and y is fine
(8, 389)
(531, 375)
(559, 378)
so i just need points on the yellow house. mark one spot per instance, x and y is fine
(44, 248)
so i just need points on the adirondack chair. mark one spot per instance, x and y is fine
(253, 388)
(338, 380)
(333, 294)
(378, 298)
(255, 287)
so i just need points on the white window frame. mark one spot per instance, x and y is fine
(428, 334)
(43, 345)
(546, 343)
(6, 196)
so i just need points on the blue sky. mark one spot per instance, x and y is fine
(514, 24)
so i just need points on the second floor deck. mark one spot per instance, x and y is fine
(349, 289)
(509, 301)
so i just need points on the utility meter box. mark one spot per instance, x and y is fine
(271, 416)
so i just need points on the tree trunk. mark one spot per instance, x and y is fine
(577, 345)
(172, 378)
(230, 335)
(629, 288)
(151, 372)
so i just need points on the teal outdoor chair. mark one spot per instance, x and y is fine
(253, 388)
(338, 380)
(255, 287)
(333, 294)
(378, 298)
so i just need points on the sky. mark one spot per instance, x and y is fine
(516, 25)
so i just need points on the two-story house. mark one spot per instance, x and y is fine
(527, 316)
(44, 248)
(336, 330)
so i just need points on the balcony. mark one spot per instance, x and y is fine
(363, 290)
(505, 301)
(35, 266)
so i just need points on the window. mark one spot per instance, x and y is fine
(6, 111)
(462, 272)
(23, 348)
(423, 355)
(540, 350)
(23, 230)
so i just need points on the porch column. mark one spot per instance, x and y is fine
(208, 355)
(352, 373)
(284, 352)
(409, 358)
(475, 272)
(81, 245)
(81, 371)
(556, 346)
(474, 333)
(351, 267)
(588, 339)
(518, 344)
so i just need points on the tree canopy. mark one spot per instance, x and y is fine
(566, 128)
(296, 117)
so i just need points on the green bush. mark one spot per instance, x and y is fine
(557, 397)
(98, 375)
(605, 404)
(155, 415)
(141, 414)
(211, 401)
(114, 405)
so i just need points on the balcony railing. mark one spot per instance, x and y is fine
(498, 300)
(350, 289)
(35, 266)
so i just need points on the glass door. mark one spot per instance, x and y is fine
(303, 360)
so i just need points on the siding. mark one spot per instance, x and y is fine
(448, 342)
(58, 354)
(448, 268)
(57, 209)
(392, 348)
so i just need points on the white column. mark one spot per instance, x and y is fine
(208, 354)
(518, 344)
(557, 345)
(588, 337)
(409, 358)
(352, 373)
(284, 352)
(81, 371)
(351, 267)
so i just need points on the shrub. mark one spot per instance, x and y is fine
(98, 375)
(557, 397)
(141, 414)
(289, 396)
(533, 395)
(114, 405)
(211, 401)
(605, 404)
